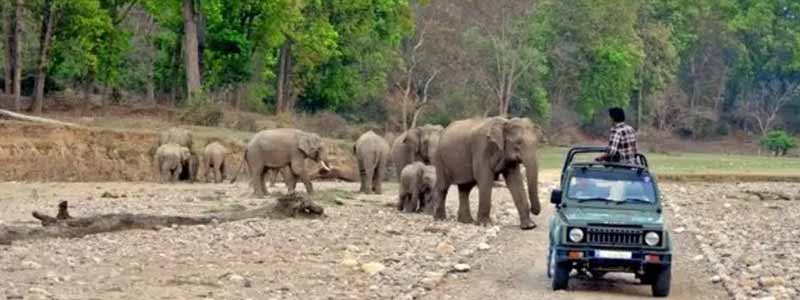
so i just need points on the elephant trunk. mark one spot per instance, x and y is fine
(532, 175)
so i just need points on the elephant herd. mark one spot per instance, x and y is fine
(468, 153)
(428, 160)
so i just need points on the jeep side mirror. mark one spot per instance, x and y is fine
(555, 197)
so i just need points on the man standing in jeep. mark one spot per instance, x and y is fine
(622, 140)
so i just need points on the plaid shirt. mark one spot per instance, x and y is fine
(622, 144)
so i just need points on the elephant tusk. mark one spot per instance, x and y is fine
(324, 165)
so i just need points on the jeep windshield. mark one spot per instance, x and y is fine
(611, 185)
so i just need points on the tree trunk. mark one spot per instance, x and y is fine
(46, 34)
(13, 69)
(404, 106)
(414, 118)
(65, 226)
(284, 102)
(17, 55)
(191, 48)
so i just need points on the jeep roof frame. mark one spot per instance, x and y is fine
(642, 166)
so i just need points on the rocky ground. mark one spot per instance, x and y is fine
(748, 234)
(364, 249)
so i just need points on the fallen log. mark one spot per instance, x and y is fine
(23, 117)
(65, 226)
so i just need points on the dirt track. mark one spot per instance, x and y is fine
(295, 258)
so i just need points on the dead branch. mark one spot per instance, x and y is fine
(23, 117)
(64, 226)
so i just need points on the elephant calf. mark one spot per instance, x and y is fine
(417, 181)
(171, 160)
(215, 162)
(372, 153)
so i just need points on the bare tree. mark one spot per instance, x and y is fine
(763, 104)
(415, 82)
(191, 47)
(504, 52)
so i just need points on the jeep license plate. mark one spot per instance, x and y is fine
(613, 254)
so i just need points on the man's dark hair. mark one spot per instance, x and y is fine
(617, 114)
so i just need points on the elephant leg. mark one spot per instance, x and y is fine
(218, 173)
(257, 180)
(516, 186)
(440, 197)
(485, 201)
(274, 177)
(377, 180)
(369, 180)
(401, 201)
(464, 212)
(298, 169)
(412, 203)
(362, 174)
(177, 175)
(290, 180)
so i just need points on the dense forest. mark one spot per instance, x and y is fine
(696, 68)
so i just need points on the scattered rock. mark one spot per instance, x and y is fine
(679, 230)
(445, 249)
(772, 281)
(31, 265)
(236, 278)
(461, 268)
(431, 280)
(716, 279)
(372, 268)
(484, 246)
(349, 262)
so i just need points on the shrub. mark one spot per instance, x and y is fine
(778, 142)
(199, 110)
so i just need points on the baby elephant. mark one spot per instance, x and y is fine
(416, 188)
(215, 162)
(171, 160)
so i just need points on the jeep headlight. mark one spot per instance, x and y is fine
(652, 238)
(576, 235)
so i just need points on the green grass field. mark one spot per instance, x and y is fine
(695, 163)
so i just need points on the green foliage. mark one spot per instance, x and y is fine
(778, 142)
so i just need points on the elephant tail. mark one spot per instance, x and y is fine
(241, 167)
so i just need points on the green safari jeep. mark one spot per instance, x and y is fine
(608, 219)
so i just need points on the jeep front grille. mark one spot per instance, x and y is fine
(614, 236)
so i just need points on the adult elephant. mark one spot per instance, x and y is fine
(372, 154)
(416, 144)
(475, 152)
(274, 149)
(176, 135)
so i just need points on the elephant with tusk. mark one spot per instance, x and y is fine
(275, 149)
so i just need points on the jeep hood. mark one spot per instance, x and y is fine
(585, 216)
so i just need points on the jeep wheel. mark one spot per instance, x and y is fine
(661, 282)
(560, 274)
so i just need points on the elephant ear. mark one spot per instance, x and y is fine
(309, 144)
(496, 135)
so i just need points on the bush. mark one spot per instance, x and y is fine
(778, 142)
(201, 111)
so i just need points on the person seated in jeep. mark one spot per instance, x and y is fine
(622, 146)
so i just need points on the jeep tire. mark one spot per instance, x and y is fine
(661, 281)
(560, 276)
